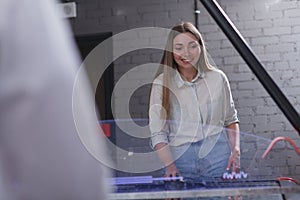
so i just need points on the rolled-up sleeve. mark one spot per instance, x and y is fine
(157, 122)
(231, 115)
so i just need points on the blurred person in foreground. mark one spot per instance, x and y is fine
(41, 154)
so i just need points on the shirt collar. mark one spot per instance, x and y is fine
(180, 82)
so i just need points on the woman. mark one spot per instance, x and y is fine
(190, 104)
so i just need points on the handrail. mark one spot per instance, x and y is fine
(277, 139)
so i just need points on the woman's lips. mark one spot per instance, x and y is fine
(186, 61)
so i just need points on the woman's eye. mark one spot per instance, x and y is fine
(178, 48)
(194, 46)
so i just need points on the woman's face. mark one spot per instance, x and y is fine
(186, 50)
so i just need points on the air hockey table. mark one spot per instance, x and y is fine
(243, 189)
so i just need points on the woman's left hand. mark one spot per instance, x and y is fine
(234, 161)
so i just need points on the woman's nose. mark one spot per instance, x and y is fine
(186, 52)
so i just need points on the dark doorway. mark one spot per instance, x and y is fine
(86, 43)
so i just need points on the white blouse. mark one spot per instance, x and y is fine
(198, 109)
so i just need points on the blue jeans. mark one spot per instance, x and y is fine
(210, 164)
(203, 160)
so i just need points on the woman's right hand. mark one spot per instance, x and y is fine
(165, 156)
(172, 171)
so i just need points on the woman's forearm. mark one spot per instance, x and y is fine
(164, 153)
(233, 133)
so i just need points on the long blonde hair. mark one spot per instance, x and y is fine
(168, 62)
